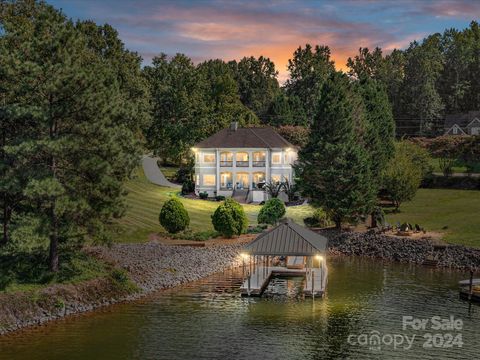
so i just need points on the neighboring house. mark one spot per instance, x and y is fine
(463, 124)
(239, 161)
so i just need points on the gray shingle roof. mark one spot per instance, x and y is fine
(259, 137)
(288, 239)
(461, 120)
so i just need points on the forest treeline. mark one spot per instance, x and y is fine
(78, 109)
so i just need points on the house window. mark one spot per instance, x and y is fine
(258, 177)
(226, 159)
(259, 158)
(475, 131)
(276, 178)
(208, 158)
(241, 159)
(226, 180)
(241, 181)
(209, 180)
(455, 130)
(197, 180)
(277, 158)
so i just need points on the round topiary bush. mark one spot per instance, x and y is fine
(229, 219)
(173, 216)
(271, 212)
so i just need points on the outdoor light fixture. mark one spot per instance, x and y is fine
(244, 255)
(319, 257)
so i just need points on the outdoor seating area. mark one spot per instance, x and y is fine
(287, 250)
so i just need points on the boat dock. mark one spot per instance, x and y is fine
(287, 250)
(256, 283)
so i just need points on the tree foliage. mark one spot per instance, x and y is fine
(75, 141)
(271, 212)
(297, 135)
(190, 103)
(229, 219)
(257, 83)
(173, 216)
(403, 174)
(334, 167)
(429, 79)
(309, 68)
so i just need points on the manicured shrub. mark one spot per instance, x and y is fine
(173, 216)
(271, 212)
(318, 219)
(188, 187)
(203, 195)
(220, 198)
(229, 219)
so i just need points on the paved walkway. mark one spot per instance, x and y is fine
(153, 173)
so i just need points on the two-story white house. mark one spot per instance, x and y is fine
(238, 162)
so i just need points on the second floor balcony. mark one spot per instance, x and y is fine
(226, 163)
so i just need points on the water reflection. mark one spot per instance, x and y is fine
(209, 319)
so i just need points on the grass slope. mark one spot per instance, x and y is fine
(145, 200)
(434, 209)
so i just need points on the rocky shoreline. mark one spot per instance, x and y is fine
(153, 266)
(150, 267)
(402, 249)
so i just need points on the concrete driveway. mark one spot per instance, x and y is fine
(153, 173)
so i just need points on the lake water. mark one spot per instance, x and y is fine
(209, 320)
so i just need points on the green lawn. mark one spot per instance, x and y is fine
(455, 213)
(146, 199)
(169, 171)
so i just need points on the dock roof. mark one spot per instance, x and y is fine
(288, 239)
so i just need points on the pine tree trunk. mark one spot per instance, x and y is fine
(53, 260)
(373, 223)
(338, 224)
(6, 221)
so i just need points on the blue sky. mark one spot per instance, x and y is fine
(232, 29)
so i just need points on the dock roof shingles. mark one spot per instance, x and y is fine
(259, 137)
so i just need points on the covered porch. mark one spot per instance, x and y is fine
(287, 250)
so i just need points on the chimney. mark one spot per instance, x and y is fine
(234, 125)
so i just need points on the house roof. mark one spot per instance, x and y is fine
(462, 119)
(256, 137)
(288, 239)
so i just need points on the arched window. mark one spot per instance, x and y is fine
(226, 181)
(241, 180)
(226, 159)
(259, 159)
(241, 159)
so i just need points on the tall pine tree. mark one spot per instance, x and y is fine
(334, 166)
(74, 147)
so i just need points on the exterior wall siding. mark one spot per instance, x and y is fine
(231, 170)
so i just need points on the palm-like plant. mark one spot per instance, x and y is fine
(290, 189)
(273, 189)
